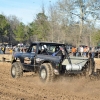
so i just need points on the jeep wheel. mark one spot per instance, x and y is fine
(91, 66)
(16, 70)
(46, 72)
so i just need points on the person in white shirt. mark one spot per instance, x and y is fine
(81, 51)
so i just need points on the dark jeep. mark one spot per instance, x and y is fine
(49, 60)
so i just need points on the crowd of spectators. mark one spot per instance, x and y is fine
(9, 50)
(81, 51)
(85, 51)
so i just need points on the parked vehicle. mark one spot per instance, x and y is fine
(49, 60)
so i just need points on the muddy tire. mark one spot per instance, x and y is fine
(90, 68)
(46, 73)
(16, 70)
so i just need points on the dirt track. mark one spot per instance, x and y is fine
(29, 87)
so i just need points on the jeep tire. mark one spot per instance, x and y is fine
(46, 73)
(16, 70)
(91, 66)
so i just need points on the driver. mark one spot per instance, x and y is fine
(43, 50)
(58, 51)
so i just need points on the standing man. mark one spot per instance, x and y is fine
(81, 51)
(73, 51)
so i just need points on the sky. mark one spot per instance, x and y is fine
(24, 10)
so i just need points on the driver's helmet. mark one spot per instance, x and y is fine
(44, 47)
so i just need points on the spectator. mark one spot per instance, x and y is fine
(16, 49)
(3, 49)
(10, 51)
(81, 51)
(78, 51)
(73, 51)
(87, 51)
(92, 52)
(84, 51)
(1, 52)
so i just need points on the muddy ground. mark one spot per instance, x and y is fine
(29, 87)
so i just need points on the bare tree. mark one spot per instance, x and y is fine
(79, 12)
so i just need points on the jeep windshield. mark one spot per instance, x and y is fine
(50, 48)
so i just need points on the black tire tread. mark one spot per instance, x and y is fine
(50, 74)
(18, 68)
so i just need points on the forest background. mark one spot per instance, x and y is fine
(72, 22)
